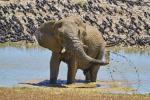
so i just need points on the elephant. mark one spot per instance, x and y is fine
(74, 42)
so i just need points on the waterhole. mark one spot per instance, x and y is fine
(18, 65)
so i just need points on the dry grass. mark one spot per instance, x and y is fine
(81, 2)
(20, 44)
(25, 93)
(131, 49)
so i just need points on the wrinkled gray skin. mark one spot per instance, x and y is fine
(79, 45)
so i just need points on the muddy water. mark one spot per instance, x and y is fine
(18, 65)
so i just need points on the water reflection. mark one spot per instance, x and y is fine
(18, 65)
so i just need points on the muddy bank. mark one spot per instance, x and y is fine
(121, 22)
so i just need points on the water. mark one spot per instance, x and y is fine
(18, 65)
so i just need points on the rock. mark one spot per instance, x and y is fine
(131, 42)
(128, 21)
(2, 39)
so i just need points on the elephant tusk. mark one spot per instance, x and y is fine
(63, 50)
(84, 46)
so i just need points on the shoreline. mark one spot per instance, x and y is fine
(32, 45)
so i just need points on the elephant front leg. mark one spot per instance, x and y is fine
(72, 69)
(54, 67)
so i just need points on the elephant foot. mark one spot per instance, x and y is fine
(87, 81)
(70, 82)
(53, 81)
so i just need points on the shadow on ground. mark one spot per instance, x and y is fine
(100, 86)
(60, 83)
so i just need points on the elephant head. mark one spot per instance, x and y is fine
(47, 38)
(63, 36)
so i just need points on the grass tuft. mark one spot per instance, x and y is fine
(80, 2)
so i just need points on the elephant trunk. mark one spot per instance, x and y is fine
(74, 45)
(82, 55)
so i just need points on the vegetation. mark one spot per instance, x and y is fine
(24, 93)
(80, 2)
(19, 44)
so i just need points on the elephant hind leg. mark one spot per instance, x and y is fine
(103, 55)
(87, 75)
(91, 73)
(94, 70)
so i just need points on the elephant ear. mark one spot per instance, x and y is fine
(47, 27)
